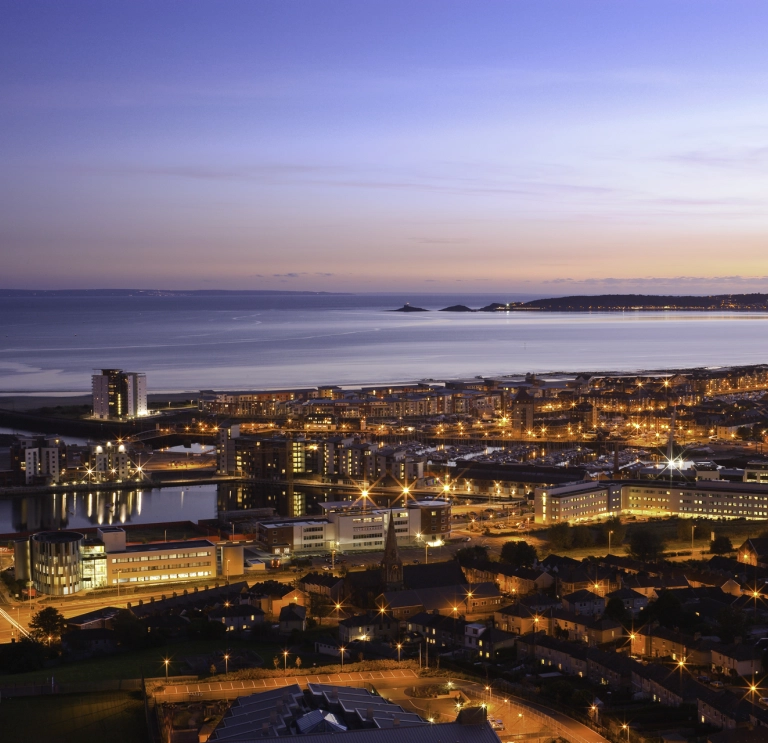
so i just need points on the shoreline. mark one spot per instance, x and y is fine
(21, 400)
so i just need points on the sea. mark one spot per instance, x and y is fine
(52, 344)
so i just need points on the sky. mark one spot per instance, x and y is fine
(539, 146)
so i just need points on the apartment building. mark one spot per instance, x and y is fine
(118, 394)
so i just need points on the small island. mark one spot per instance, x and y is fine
(457, 308)
(409, 308)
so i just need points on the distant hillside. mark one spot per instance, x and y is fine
(617, 302)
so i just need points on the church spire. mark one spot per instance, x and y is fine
(392, 564)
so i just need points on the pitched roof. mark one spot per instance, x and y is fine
(625, 593)
(582, 595)
(293, 613)
(433, 575)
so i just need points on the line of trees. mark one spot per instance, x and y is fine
(565, 536)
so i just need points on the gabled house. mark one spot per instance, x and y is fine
(293, 617)
(633, 601)
(754, 552)
(438, 630)
(660, 642)
(520, 620)
(237, 617)
(323, 584)
(737, 659)
(370, 626)
(584, 602)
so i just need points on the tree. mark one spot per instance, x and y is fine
(48, 625)
(731, 623)
(276, 662)
(666, 610)
(298, 662)
(468, 555)
(560, 536)
(129, 631)
(582, 536)
(611, 525)
(616, 610)
(685, 529)
(646, 545)
(519, 554)
(721, 545)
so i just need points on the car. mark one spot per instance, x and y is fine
(467, 539)
(496, 724)
(763, 701)
(717, 684)
(703, 678)
(416, 562)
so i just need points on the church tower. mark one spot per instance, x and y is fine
(392, 564)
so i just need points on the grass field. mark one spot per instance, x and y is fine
(738, 531)
(73, 718)
(131, 665)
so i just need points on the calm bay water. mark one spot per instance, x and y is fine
(249, 342)
(103, 506)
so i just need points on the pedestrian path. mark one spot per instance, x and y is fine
(237, 688)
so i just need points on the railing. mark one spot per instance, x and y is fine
(509, 702)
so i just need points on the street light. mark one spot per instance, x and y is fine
(285, 659)
(399, 648)
(166, 661)
(226, 664)
(341, 652)
(626, 727)
(610, 534)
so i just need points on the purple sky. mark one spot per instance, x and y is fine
(527, 145)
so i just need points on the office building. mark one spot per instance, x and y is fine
(716, 499)
(350, 526)
(119, 394)
(64, 562)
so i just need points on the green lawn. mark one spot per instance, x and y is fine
(147, 661)
(75, 718)
(738, 531)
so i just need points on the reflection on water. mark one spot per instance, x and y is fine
(64, 510)
(54, 511)
(244, 496)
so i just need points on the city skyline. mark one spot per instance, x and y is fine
(579, 148)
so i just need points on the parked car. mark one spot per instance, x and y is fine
(717, 684)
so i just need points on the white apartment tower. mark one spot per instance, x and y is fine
(119, 394)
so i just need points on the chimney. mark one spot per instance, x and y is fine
(395, 722)
(369, 713)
